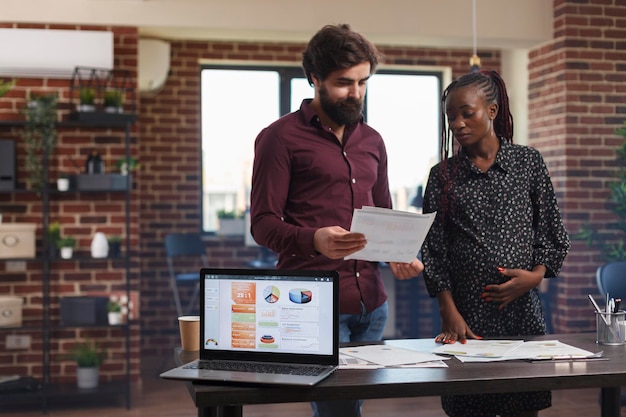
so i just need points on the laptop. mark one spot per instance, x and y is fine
(265, 326)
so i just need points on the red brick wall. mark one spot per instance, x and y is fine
(576, 100)
(80, 215)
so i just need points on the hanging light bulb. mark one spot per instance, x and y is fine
(474, 60)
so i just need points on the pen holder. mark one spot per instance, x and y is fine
(610, 328)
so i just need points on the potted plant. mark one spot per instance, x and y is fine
(113, 100)
(87, 99)
(88, 357)
(66, 246)
(63, 182)
(611, 242)
(114, 311)
(124, 165)
(231, 223)
(40, 136)
(115, 246)
(54, 234)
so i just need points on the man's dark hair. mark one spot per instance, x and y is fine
(337, 47)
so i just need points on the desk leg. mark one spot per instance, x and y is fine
(610, 401)
(225, 411)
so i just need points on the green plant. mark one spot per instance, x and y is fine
(6, 86)
(123, 166)
(54, 232)
(40, 136)
(87, 354)
(66, 242)
(113, 98)
(114, 306)
(115, 239)
(612, 242)
(229, 214)
(87, 95)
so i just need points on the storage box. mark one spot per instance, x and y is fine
(99, 182)
(10, 311)
(84, 311)
(17, 240)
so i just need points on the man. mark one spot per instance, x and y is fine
(312, 168)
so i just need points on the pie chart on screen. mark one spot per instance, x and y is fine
(271, 294)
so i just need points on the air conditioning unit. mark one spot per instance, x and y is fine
(53, 53)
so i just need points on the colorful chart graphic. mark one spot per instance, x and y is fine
(300, 295)
(271, 294)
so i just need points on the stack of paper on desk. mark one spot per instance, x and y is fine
(371, 356)
(504, 350)
(392, 235)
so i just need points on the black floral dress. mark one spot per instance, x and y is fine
(508, 217)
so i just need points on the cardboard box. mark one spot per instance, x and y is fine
(17, 240)
(10, 311)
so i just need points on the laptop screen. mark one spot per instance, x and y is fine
(269, 314)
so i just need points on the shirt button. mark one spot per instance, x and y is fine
(345, 153)
(353, 180)
(358, 274)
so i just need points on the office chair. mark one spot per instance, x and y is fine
(611, 279)
(181, 247)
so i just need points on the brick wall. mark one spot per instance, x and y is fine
(576, 100)
(80, 215)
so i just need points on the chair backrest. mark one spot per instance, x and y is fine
(611, 279)
(184, 244)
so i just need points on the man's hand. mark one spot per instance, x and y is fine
(403, 270)
(335, 242)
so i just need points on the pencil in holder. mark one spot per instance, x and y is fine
(610, 328)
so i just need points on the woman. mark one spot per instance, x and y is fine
(497, 234)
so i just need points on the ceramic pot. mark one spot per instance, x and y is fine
(63, 184)
(87, 378)
(67, 253)
(99, 246)
(115, 318)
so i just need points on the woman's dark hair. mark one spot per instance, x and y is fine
(337, 47)
(492, 86)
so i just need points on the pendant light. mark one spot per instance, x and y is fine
(474, 60)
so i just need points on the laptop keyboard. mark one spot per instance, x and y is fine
(271, 368)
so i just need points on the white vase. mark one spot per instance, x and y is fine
(87, 378)
(99, 246)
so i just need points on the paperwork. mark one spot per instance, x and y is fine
(373, 356)
(392, 235)
(504, 350)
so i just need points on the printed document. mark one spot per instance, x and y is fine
(392, 235)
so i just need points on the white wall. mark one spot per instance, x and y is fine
(501, 23)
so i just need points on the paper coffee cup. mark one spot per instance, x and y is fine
(189, 332)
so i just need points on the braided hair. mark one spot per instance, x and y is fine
(492, 86)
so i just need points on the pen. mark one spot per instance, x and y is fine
(595, 305)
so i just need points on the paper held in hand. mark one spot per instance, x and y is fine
(392, 235)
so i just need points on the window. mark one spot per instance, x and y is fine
(238, 102)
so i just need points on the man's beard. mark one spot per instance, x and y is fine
(343, 112)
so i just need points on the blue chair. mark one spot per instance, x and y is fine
(185, 249)
(611, 279)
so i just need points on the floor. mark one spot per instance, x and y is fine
(155, 397)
